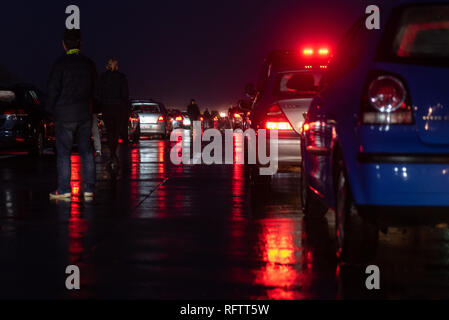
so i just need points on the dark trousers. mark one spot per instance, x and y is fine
(116, 122)
(65, 134)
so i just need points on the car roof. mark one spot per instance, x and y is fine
(136, 101)
(293, 61)
(147, 102)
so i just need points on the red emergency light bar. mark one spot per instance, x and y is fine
(323, 52)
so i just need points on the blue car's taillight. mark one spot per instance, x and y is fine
(386, 101)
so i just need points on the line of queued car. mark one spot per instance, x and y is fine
(370, 129)
(24, 123)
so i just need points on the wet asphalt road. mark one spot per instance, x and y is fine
(160, 231)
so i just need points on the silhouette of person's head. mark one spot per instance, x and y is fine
(71, 39)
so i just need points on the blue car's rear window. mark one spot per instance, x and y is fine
(418, 34)
(423, 32)
(149, 108)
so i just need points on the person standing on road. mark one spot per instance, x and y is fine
(113, 94)
(194, 111)
(71, 87)
(207, 118)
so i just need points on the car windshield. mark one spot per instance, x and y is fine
(297, 84)
(148, 108)
(423, 32)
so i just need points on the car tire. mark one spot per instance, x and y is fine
(356, 238)
(312, 207)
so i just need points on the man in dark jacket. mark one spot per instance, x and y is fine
(113, 94)
(194, 111)
(70, 96)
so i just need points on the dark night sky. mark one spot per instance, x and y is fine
(172, 51)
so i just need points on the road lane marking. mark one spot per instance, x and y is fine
(151, 192)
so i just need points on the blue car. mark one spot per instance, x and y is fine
(375, 142)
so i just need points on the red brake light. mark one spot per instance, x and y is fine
(237, 116)
(278, 125)
(201, 119)
(306, 127)
(307, 52)
(386, 102)
(161, 118)
(178, 118)
(276, 119)
(323, 52)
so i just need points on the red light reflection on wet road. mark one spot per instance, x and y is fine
(77, 226)
(161, 157)
(77, 229)
(135, 164)
(280, 274)
(75, 174)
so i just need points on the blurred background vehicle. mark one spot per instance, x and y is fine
(186, 122)
(175, 119)
(179, 120)
(215, 119)
(239, 114)
(153, 118)
(24, 122)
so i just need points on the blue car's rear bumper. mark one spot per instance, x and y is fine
(404, 184)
